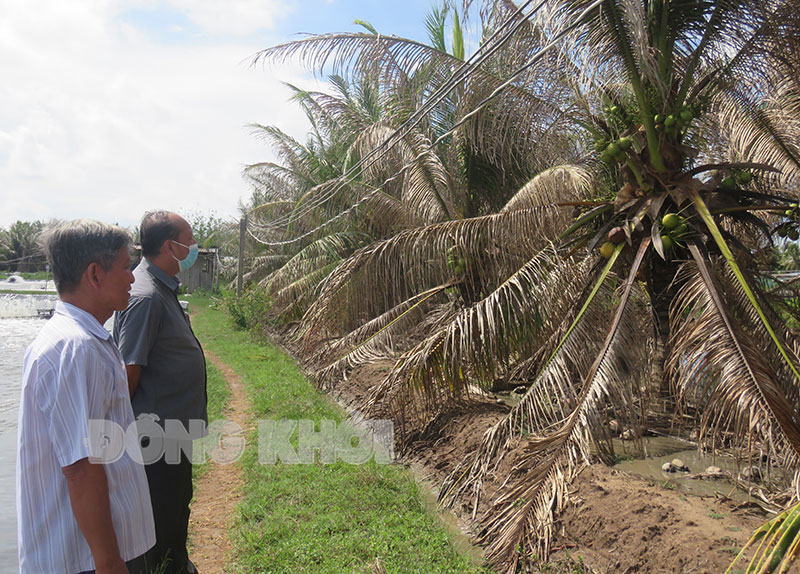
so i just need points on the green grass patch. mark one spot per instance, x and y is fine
(319, 518)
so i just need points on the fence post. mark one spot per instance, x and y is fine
(240, 267)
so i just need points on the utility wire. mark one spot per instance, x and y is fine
(533, 60)
(25, 258)
(483, 52)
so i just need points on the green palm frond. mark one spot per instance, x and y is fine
(778, 544)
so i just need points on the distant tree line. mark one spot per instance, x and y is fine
(19, 247)
(20, 251)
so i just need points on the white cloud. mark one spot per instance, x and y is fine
(98, 120)
(238, 17)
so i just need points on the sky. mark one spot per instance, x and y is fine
(109, 108)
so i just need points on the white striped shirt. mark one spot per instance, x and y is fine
(73, 373)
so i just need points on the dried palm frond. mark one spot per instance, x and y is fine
(425, 185)
(522, 514)
(414, 260)
(562, 183)
(383, 215)
(293, 300)
(322, 252)
(481, 340)
(551, 397)
(721, 368)
(374, 339)
(263, 265)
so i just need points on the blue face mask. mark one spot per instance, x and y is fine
(188, 261)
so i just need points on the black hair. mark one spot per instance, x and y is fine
(156, 228)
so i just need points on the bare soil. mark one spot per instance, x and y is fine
(616, 521)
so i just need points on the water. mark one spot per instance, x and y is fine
(19, 324)
(659, 450)
(16, 306)
(20, 284)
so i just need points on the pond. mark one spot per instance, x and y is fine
(19, 324)
(662, 449)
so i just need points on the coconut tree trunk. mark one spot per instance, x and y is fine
(662, 288)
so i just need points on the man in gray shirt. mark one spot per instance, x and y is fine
(166, 376)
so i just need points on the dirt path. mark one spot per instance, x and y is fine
(217, 492)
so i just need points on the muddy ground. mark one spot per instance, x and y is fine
(614, 522)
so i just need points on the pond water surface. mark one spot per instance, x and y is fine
(19, 325)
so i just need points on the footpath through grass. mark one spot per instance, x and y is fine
(218, 394)
(318, 518)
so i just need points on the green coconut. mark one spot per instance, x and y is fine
(671, 220)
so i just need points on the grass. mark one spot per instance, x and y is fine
(319, 518)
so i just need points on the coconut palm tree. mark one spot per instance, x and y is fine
(316, 183)
(19, 248)
(653, 150)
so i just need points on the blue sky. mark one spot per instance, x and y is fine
(112, 107)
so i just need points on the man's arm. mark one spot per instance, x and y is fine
(88, 494)
(134, 372)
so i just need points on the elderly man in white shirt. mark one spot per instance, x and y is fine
(79, 512)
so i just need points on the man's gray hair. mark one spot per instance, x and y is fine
(71, 246)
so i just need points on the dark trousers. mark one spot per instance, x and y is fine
(170, 495)
(136, 566)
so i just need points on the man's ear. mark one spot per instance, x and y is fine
(166, 247)
(93, 274)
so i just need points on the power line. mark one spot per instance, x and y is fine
(533, 60)
(483, 52)
(25, 258)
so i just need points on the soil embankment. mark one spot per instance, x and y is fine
(616, 522)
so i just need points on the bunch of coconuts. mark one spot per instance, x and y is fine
(674, 123)
(674, 225)
(789, 229)
(738, 178)
(614, 151)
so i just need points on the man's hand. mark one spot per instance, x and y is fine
(134, 372)
(118, 569)
(87, 485)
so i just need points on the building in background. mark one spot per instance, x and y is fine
(204, 274)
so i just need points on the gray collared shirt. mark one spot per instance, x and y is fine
(154, 332)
